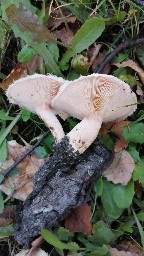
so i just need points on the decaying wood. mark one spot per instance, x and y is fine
(61, 184)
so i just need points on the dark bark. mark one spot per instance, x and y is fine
(60, 185)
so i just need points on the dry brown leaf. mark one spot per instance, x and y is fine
(105, 128)
(19, 71)
(98, 60)
(59, 16)
(132, 247)
(79, 220)
(133, 65)
(64, 35)
(121, 169)
(93, 52)
(118, 129)
(37, 252)
(29, 166)
(115, 252)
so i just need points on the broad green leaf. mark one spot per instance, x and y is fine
(54, 241)
(123, 195)
(126, 228)
(6, 231)
(101, 234)
(3, 151)
(5, 132)
(134, 133)
(26, 54)
(1, 203)
(107, 141)
(85, 36)
(110, 206)
(26, 115)
(98, 187)
(41, 152)
(140, 216)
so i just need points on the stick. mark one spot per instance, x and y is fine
(130, 43)
(24, 155)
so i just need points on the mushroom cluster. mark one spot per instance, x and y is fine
(93, 99)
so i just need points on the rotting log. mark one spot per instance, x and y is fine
(61, 184)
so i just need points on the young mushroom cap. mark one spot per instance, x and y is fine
(105, 96)
(35, 93)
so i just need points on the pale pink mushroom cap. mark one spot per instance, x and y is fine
(105, 94)
(35, 93)
(94, 99)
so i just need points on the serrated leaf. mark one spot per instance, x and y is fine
(54, 241)
(111, 208)
(134, 133)
(85, 36)
(123, 195)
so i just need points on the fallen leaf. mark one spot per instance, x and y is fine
(115, 252)
(121, 169)
(19, 71)
(132, 247)
(93, 52)
(79, 220)
(133, 65)
(65, 35)
(117, 128)
(26, 21)
(27, 168)
(98, 60)
(59, 16)
(105, 128)
(37, 252)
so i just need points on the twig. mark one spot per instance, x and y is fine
(130, 43)
(24, 155)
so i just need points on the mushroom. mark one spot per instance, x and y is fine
(94, 99)
(35, 93)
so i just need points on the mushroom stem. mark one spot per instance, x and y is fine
(84, 133)
(47, 115)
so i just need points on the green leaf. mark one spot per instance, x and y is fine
(1, 203)
(5, 132)
(4, 116)
(110, 206)
(26, 54)
(64, 234)
(123, 195)
(54, 241)
(133, 152)
(99, 251)
(107, 141)
(134, 133)
(98, 187)
(85, 36)
(141, 231)
(6, 231)
(26, 115)
(101, 234)
(3, 151)
(41, 152)
(138, 173)
(15, 171)
(1, 178)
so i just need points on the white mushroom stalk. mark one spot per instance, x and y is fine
(35, 93)
(94, 99)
